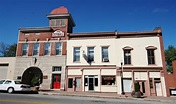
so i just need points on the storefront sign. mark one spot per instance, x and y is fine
(58, 33)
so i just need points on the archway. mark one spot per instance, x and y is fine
(32, 76)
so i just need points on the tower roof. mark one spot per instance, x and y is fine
(60, 10)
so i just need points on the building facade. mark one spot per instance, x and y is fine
(41, 52)
(113, 61)
(54, 57)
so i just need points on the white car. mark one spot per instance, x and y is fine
(12, 86)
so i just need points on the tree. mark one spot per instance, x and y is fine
(3, 48)
(170, 55)
(11, 51)
(7, 50)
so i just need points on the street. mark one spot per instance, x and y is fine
(18, 98)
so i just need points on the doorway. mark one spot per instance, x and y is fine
(90, 82)
(158, 88)
(56, 80)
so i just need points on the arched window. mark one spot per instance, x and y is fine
(151, 54)
(127, 55)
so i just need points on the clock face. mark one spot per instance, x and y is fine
(58, 33)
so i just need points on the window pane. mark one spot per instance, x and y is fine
(76, 54)
(127, 84)
(36, 49)
(127, 56)
(25, 49)
(47, 49)
(105, 57)
(70, 82)
(78, 82)
(90, 53)
(96, 81)
(108, 80)
(57, 68)
(150, 55)
(58, 48)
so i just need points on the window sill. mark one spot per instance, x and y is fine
(76, 62)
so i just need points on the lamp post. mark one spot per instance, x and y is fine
(122, 79)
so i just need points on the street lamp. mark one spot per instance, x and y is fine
(122, 79)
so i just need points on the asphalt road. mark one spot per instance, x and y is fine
(18, 98)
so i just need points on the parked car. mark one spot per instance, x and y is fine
(11, 86)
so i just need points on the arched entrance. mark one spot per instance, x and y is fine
(32, 76)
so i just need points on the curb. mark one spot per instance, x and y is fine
(97, 96)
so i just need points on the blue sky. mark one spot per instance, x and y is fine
(91, 16)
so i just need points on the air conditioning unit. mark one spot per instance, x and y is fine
(105, 59)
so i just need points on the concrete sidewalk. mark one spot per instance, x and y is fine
(105, 95)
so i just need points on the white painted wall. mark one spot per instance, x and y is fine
(138, 54)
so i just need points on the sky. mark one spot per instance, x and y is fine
(91, 16)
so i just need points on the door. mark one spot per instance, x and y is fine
(56, 81)
(143, 87)
(91, 84)
(158, 89)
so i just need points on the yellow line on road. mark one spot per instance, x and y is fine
(22, 101)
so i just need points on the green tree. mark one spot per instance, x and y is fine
(7, 50)
(3, 48)
(170, 55)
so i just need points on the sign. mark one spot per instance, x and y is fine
(58, 33)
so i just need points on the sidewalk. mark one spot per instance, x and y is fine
(105, 95)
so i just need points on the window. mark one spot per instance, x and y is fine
(127, 56)
(127, 84)
(58, 22)
(105, 57)
(57, 68)
(8, 82)
(70, 82)
(108, 80)
(36, 49)
(25, 49)
(76, 54)
(47, 49)
(150, 55)
(58, 48)
(2, 81)
(78, 82)
(90, 53)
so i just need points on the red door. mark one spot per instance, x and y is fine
(56, 81)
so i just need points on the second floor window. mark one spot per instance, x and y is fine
(36, 49)
(105, 57)
(47, 49)
(25, 49)
(58, 48)
(58, 22)
(90, 54)
(150, 55)
(127, 56)
(76, 54)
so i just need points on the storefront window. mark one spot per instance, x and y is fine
(108, 80)
(70, 82)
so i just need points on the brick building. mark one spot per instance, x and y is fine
(41, 51)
